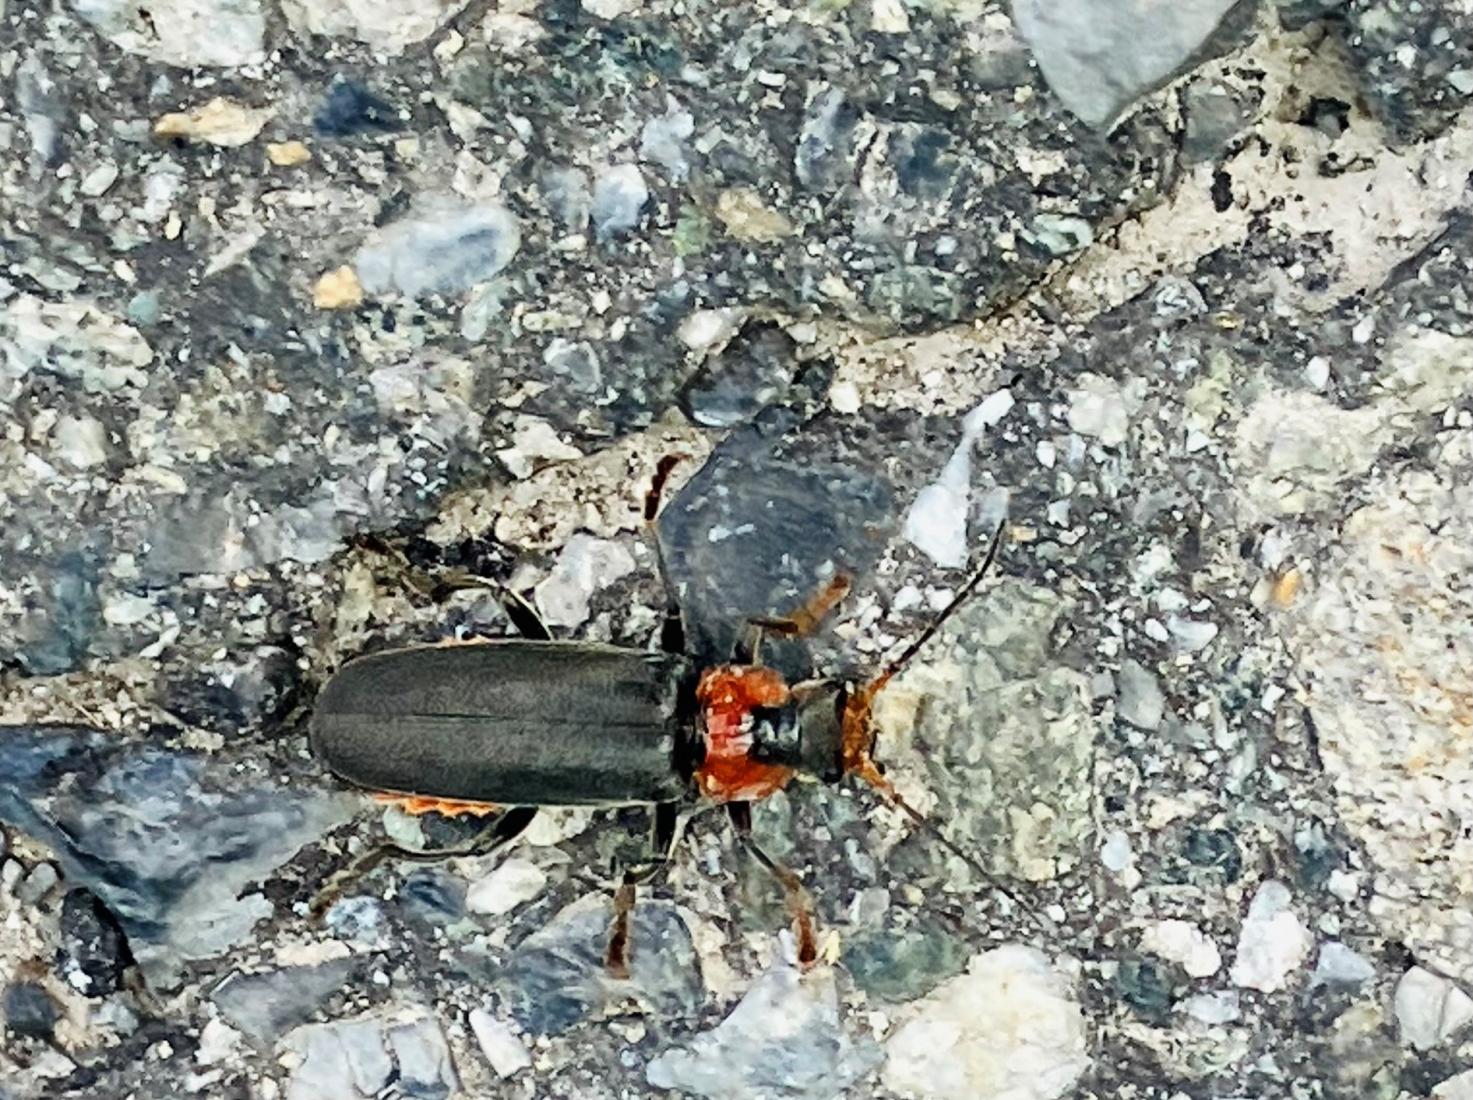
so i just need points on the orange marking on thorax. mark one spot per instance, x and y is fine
(727, 694)
(449, 807)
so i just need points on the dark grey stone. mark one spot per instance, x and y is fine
(29, 1011)
(1214, 117)
(746, 376)
(94, 952)
(903, 964)
(1294, 14)
(349, 108)
(242, 691)
(755, 534)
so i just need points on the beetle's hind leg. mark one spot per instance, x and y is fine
(439, 586)
(616, 955)
(499, 832)
(800, 905)
(672, 627)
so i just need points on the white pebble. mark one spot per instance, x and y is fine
(501, 1046)
(844, 397)
(1009, 1029)
(1181, 942)
(511, 884)
(1212, 1008)
(1273, 943)
(1115, 852)
(1429, 1008)
(80, 441)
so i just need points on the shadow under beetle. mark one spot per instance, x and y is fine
(498, 728)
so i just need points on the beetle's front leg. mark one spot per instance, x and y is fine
(798, 623)
(800, 905)
(616, 955)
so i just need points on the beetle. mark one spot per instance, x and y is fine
(501, 727)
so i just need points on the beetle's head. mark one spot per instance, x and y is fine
(806, 733)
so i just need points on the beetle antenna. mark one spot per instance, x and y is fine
(858, 709)
(871, 774)
(858, 761)
(874, 687)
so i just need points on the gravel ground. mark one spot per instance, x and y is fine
(305, 304)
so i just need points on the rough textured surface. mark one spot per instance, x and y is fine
(306, 307)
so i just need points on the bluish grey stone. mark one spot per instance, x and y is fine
(57, 635)
(143, 308)
(168, 841)
(619, 198)
(445, 246)
(746, 376)
(556, 976)
(823, 160)
(903, 964)
(663, 140)
(1100, 56)
(357, 1059)
(29, 1011)
(267, 1005)
(566, 192)
(783, 1041)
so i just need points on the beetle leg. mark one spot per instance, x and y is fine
(616, 955)
(802, 621)
(672, 629)
(524, 616)
(800, 905)
(498, 833)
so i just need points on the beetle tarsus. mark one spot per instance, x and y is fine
(616, 956)
(800, 904)
(801, 622)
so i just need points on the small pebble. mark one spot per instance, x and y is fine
(1273, 942)
(288, 154)
(1211, 1008)
(221, 121)
(338, 289)
(500, 1044)
(40, 882)
(619, 198)
(1141, 702)
(1182, 942)
(513, 882)
(1339, 965)
(1429, 1009)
